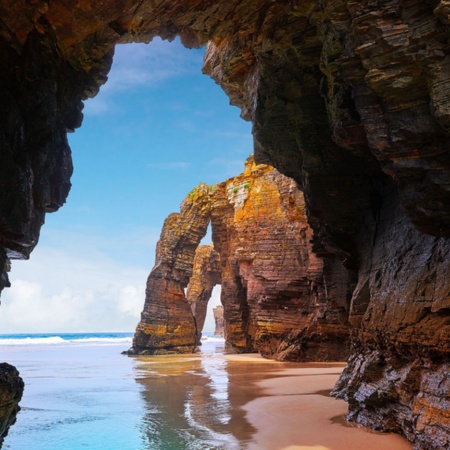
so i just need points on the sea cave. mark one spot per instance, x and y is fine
(349, 103)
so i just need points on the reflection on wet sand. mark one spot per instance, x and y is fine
(196, 401)
(210, 401)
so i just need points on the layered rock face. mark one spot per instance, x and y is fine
(273, 286)
(350, 98)
(205, 275)
(219, 329)
(167, 324)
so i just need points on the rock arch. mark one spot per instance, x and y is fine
(273, 286)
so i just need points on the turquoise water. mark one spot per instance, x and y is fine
(82, 393)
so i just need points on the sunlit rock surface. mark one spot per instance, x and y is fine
(273, 285)
(167, 324)
(350, 98)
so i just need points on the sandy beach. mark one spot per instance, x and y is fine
(89, 395)
(295, 412)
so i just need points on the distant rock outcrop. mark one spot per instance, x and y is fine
(273, 285)
(219, 329)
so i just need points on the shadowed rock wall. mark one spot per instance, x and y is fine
(350, 98)
(205, 275)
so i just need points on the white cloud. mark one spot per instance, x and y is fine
(71, 284)
(136, 66)
(73, 288)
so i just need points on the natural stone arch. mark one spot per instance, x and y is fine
(167, 323)
(273, 286)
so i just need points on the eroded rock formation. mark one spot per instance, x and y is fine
(219, 329)
(273, 286)
(167, 324)
(11, 390)
(205, 275)
(350, 98)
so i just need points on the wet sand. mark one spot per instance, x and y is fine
(295, 412)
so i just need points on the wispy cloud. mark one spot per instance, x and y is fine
(59, 292)
(138, 65)
(169, 165)
(226, 167)
(143, 65)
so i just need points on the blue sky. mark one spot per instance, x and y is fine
(156, 129)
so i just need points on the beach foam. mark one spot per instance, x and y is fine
(61, 339)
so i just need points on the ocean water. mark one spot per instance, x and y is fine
(82, 393)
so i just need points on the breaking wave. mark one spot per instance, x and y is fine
(58, 339)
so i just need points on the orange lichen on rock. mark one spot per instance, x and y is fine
(273, 286)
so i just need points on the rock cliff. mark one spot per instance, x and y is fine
(349, 98)
(273, 285)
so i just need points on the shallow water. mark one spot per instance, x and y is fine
(86, 395)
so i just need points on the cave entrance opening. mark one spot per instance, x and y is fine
(156, 129)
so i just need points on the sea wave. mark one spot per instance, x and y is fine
(32, 341)
(59, 340)
(79, 339)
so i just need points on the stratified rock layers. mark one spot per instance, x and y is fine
(273, 286)
(400, 308)
(167, 324)
(350, 98)
(273, 289)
